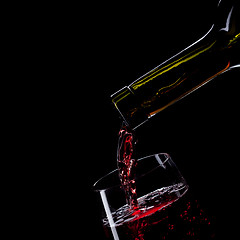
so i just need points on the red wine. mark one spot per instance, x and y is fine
(148, 204)
(184, 219)
(127, 165)
(157, 214)
(130, 219)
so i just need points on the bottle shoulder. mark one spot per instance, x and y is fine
(227, 21)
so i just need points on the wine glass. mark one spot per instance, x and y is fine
(159, 183)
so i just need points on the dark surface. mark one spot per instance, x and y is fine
(112, 45)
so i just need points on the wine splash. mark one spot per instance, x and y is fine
(127, 165)
(134, 213)
(147, 204)
(185, 219)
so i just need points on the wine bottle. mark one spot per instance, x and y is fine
(213, 54)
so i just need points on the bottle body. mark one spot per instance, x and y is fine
(213, 54)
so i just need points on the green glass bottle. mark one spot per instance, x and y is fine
(213, 54)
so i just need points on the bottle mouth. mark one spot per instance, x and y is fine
(127, 104)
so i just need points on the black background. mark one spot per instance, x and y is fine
(106, 46)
